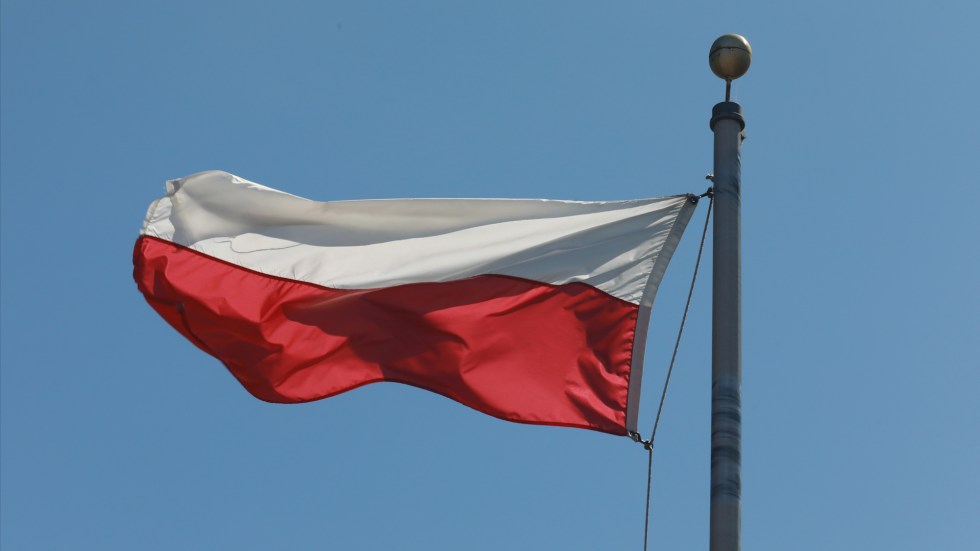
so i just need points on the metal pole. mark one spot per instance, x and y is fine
(729, 58)
(726, 332)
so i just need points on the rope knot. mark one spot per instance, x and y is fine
(647, 444)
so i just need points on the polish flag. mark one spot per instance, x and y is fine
(532, 311)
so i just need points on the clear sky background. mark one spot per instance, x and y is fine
(860, 268)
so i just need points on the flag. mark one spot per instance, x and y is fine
(532, 311)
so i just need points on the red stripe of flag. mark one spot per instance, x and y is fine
(513, 348)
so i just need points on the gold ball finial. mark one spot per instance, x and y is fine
(730, 56)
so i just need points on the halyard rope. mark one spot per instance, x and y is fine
(648, 444)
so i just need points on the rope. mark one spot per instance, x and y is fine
(648, 444)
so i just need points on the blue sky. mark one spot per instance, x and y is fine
(860, 268)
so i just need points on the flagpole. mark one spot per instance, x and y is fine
(729, 58)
